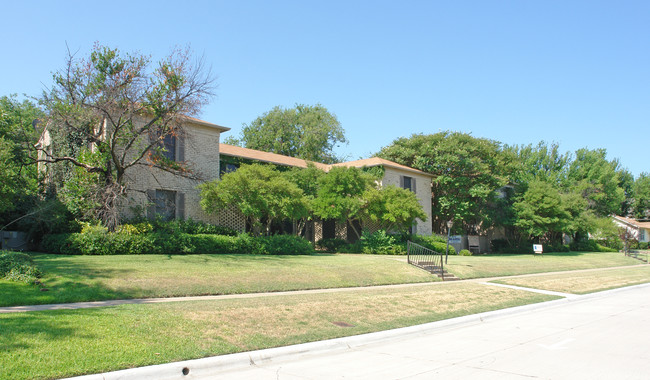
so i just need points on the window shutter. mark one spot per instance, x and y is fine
(180, 205)
(413, 185)
(401, 181)
(151, 204)
(180, 148)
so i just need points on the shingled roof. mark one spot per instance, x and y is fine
(279, 159)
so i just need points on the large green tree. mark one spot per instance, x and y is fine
(540, 211)
(341, 195)
(261, 193)
(467, 172)
(598, 180)
(18, 179)
(307, 132)
(124, 109)
(393, 208)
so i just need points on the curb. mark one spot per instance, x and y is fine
(206, 367)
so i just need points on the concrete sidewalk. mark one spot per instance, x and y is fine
(597, 336)
(92, 304)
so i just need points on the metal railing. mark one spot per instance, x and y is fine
(425, 258)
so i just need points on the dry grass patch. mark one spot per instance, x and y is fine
(482, 266)
(585, 282)
(301, 318)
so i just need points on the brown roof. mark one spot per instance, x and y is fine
(258, 155)
(376, 161)
(279, 159)
(205, 123)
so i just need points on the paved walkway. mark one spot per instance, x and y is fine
(85, 305)
(598, 336)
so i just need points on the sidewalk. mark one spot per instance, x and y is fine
(85, 305)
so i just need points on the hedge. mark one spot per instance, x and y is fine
(178, 243)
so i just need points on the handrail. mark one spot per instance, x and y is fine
(425, 258)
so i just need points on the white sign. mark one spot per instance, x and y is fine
(455, 239)
(537, 248)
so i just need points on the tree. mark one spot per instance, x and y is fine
(18, 179)
(467, 172)
(540, 212)
(598, 180)
(307, 132)
(261, 193)
(110, 113)
(543, 162)
(642, 196)
(340, 195)
(393, 208)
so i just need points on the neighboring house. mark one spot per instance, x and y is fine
(394, 174)
(639, 230)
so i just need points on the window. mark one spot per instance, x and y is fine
(173, 146)
(165, 203)
(641, 234)
(407, 183)
(169, 145)
(226, 167)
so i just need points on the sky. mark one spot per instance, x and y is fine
(576, 73)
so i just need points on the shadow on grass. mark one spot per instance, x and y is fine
(65, 280)
(25, 330)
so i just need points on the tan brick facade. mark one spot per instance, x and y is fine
(422, 185)
(199, 147)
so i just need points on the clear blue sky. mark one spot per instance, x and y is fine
(572, 72)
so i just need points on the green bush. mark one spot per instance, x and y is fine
(331, 244)
(284, 245)
(465, 252)
(17, 266)
(434, 243)
(589, 246)
(123, 243)
(381, 243)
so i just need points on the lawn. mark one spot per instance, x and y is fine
(62, 343)
(481, 266)
(585, 282)
(92, 278)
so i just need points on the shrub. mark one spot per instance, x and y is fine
(434, 243)
(284, 245)
(18, 267)
(331, 244)
(378, 242)
(589, 246)
(121, 243)
(465, 252)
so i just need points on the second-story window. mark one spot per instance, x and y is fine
(407, 183)
(169, 147)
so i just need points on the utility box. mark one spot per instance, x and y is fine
(14, 240)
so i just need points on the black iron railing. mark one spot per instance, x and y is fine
(425, 258)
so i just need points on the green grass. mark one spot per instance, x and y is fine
(62, 343)
(482, 266)
(92, 278)
(585, 282)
